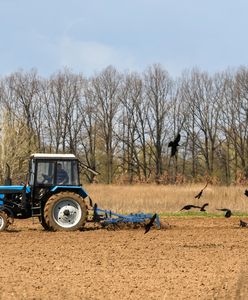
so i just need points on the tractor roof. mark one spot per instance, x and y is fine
(53, 156)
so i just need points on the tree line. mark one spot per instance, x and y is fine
(120, 123)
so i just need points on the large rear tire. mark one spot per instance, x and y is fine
(65, 211)
(3, 221)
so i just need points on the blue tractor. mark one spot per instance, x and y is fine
(53, 194)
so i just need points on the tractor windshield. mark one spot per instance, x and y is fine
(62, 172)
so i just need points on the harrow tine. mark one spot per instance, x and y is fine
(157, 221)
(96, 216)
(91, 203)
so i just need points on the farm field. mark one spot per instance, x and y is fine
(196, 258)
(192, 257)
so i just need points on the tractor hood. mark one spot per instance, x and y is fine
(11, 189)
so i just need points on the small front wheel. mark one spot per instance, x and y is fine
(3, 221)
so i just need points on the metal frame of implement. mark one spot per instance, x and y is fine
(107, 217)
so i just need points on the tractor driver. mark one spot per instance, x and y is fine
(62, 176)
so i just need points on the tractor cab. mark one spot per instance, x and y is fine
(50, 174)
(47, 170)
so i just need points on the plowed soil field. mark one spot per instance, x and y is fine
(195, 258)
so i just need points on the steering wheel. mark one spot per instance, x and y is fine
(46, 178)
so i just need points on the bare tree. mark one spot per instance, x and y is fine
(106, 92)
(235, 120)
(158, 87)
(89, 128)
(20, 115)
(202, 94)
(131, 128)
(60, 97)
(178, 115)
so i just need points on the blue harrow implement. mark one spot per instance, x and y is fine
(107, 217)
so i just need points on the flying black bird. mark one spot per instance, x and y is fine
(201, 191)
(149, 225)
(243, 224)
(228, 212)
(246, 193)
(174, 144)
(189, 206)
(203, 207)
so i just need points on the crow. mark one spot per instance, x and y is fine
(200, 193)
(203, 207)
(174, 144)
(149, 225)
(246, 193)
(227, 210)
(243, 224)
(189, 206)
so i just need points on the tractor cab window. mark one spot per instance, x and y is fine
(61, 172)
(62, 177)
(31, 172)
(74, 173)
(67, 173)
(45, 172)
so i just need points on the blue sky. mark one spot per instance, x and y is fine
(88, 35)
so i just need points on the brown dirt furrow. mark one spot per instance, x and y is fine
(197, 258)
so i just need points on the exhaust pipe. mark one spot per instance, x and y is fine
(8, 180)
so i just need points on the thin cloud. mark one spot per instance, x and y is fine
(88, 56)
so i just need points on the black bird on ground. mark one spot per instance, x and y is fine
(189, 206)
(201, 191)
(243, 223)
(174, 144)
(203, 207)
(149, 225)
(227, 210)
(246, 193)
